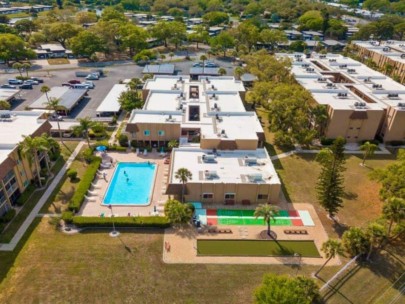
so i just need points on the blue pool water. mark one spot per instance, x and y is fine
(131, 184)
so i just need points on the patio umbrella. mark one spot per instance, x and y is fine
(101, 148)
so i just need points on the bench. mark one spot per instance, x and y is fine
(301, 231)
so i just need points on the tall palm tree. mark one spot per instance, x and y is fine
(53, 104)
(29, 148)
(394, 212)
(368, 149)
(203, 58)
(18, 66)
(172, 144)
(268, 212)
(238, 72)
(376, 235)
(83, 128)
(222, 71)
(26, 66)
(331, 248)
(45, 89)
(184, 175)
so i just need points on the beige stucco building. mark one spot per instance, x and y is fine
(362, 104)
(16, 172)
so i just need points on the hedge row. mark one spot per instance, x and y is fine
(84, 185)
(128, 221)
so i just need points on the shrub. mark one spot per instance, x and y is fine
(326, 141)
(134, 143)
(8, 216)
(100, 143)
(138, 221)
(25, 195)
(123, 140)
(84, 185)
(67, 217)
(72, 174)
(22, 78)
(374, 142)
(88, 155)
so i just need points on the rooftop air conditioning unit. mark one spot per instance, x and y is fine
(209, 158)
(351, 71)
(305, 65)
(342, 66)
(217, 117)
(386, 49)
(401, 105)
(5, 116)
(250, 160)
(214, 96)
(310, 70)
(393, 96)
(342, 95)
(213, 87)
(207, 79)
(210, 173)
(255, 177)
(332, 60)
(321, 79)
(322, 56)
(180, 79)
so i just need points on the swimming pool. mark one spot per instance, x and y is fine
(132, 184)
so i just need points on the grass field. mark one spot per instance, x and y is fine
(94, 268)
(299, 174)
(55, 61)
(256, 248)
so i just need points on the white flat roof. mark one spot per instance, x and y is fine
(110, 102)
(229, 166)
(7, 94)
(162, 82)
(68, 97)
(223, 84)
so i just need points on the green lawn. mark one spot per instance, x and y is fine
(256, 248)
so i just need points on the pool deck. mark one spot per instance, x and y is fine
(183, 244)
(95, 207)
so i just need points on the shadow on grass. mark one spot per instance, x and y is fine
(339, 228)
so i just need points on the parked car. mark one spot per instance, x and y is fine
(79, 86)
(30, 81)
(197, 64)
(8, 86)
(66, 85)
(40, 80)
(15, 81)
(81, 74)
(74, 81)
(89, 84)
(211, 65)
(56, 117)
(92, 77)
(26, 86)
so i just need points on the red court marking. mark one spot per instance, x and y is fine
(297, 222)
(211, 212)
(212, 221)
(293, 213)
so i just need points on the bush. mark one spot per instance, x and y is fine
(123, 140)
(67, 217)
(72, 174)
(374, 142)
(84, 185)
(25, 195)
(134, 143)
(138, 221)
(117, 148)
(8, 216)
(100, 143)
(326, 141)
(22, 78)
(88, 155)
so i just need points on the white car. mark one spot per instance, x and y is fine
(31, 82)
(89, 84)
(93, 76)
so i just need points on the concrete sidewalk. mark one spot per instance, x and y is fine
(30, 218)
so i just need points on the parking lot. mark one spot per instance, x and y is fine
(88, 106)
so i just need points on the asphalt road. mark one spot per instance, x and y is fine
(113, 74)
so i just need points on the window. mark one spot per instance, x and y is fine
(161, 133)
(229, 196)
(146, 132)
(26, 183)
(262, 196)
(207, 195)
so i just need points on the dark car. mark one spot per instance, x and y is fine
(74, 81)
(8, 86)
(40, 80)
(26, 86)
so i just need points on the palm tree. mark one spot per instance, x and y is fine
(222, 71)
(133, 84)
(376, 235)
(18, 66)
(268, 212)
(173, 144)
(26, 66)
(29, 148)
(368, 149)
(320, 118)
(331, 248)
(162, 57)
(171, 54)
(394, 212)
(238, 72)
(45, 89)
(83, 128)
(184, 175)
(53, 104)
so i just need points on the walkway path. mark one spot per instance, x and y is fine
(121, 120)
(30, 218)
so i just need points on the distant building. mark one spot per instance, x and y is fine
(52, 50)
(159, 69)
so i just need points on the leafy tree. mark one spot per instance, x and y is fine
(239, 71)
(355, 241)
(85, 124)
(392, 178)
(351, 3)
(215, 18)
(130, 100)
(145, 56)
(4, 19)
(177, 212)
(320, 118)
(261, 92)
(61, 32)
(161, 31)
(86, 44)
(268, 213)
(331, 248)
(272, 37)
(376, 235)
(253, 8)
(223, 41)
(336, 29)
(26, 66)
(18, 66)
(85, 17)
(368, 149)
(4, 105)
(12, 47)
(173, 144)
(25, 26)
(200, 35)
(184, 175)
(311, 20)
(133, 37)
(330, 189)
(283, 289)
(222, 71)
(247, 34)
(298, 46)
(394, 212)
(375, 5)
(178, 33)
(110, 13)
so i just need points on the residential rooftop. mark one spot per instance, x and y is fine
(393, 49)
(110, 102)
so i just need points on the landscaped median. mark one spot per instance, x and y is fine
(128, 221)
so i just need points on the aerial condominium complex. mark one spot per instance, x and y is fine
(387, 55)
(221, 143)
(362, 104)
(16, 172)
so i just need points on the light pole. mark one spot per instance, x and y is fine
(297, 255)
(113, 233)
